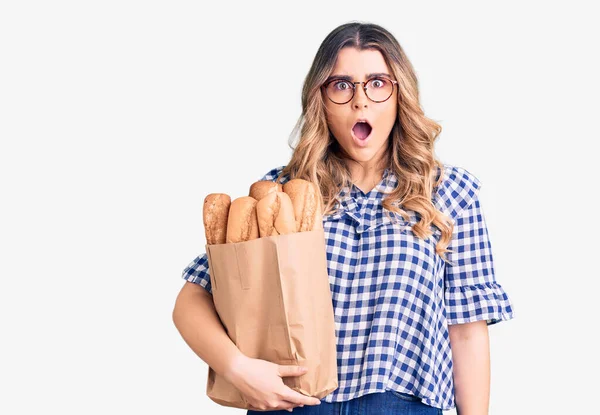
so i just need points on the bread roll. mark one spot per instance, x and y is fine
(242, 224)
(306, 199)
(275, 215)
(262, 188)
(215, 213)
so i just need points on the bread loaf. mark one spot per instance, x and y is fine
(275, 215)
(215, 214)
(242, 221)
(306, 200)
(260, 189)
(270, 209)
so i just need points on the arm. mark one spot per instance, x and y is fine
(473, 298)
(198, 323)
(471, 357)
(197, 320)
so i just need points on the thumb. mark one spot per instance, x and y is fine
(290, 370)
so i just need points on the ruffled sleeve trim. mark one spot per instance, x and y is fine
(487, 301)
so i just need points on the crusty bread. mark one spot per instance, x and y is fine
(215, 213)
(275, 215)
(242, 221)
(260, 189)
(306, 200)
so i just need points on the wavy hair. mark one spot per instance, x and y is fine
(318, 158)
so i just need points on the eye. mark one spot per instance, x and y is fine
(341, 85)
(378, 82)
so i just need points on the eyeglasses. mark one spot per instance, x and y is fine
(341, 91)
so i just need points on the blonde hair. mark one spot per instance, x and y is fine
(318, 157)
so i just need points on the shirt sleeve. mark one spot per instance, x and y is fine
(273, 174)
(471, 292)
(198, 272)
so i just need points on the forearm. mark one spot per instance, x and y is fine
(471, 367)
(198, 323)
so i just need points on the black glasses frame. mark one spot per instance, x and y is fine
(364, 86)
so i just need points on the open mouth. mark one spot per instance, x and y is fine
(362, 130)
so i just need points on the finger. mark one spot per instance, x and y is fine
(299, 399)
(290, 370)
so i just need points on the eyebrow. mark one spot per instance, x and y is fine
(349, 78)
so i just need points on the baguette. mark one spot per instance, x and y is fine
(242, 221)
(275, 214)
(260, 189)
(306, 200)
(215, 214)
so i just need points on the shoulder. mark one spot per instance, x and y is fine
(457, 189)
(274, 173)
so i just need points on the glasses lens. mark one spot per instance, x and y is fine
(339, 91)
(379, 89)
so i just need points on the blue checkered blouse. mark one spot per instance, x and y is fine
(394, 297)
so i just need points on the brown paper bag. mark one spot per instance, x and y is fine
(272, 295)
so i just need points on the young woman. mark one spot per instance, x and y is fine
(409, 258)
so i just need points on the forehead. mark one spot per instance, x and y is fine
(358, 63)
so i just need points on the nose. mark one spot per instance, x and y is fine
(360, 98)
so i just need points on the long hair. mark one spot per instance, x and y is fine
(318, 157)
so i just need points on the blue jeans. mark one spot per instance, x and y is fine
(378, 403)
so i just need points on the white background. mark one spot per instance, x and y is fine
(117, 118)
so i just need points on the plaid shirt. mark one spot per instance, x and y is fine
(394, 297)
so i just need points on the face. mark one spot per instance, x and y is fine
(380, 115)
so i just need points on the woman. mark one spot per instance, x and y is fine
(411, 273)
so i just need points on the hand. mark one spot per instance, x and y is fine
(260, 383)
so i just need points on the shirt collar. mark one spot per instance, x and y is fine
(386, 185)
(366, 210)
(350, 197)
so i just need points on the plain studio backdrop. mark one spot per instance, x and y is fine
(117, 118)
